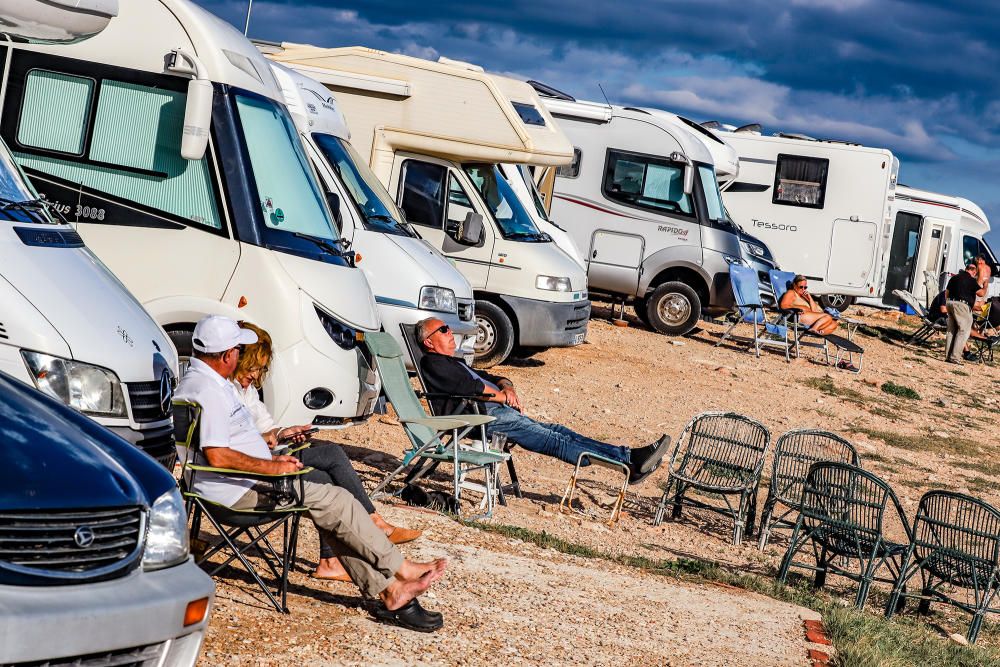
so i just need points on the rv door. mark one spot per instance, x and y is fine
(903, 260)
(614, 260)
(852, 252)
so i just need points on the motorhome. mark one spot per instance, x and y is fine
(641, 199)
(165, 141)
(68, 326)
(822, 207)
(933, 235)
(411, 279)
(433, 133)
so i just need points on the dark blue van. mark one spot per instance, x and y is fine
(94, 563)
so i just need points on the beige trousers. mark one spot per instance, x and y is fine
(959, 328)
(367, 554)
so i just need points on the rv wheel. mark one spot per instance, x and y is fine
(495, 338)
(641, 306)
(673, 308)
(838, 301)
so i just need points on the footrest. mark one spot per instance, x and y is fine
(844, 344)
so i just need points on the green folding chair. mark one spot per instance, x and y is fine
(434, 440)
(231, 524)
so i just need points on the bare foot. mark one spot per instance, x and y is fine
(410, 570)
(330, 568)
(399, 592)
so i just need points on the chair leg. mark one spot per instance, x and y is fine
(661, 507)
(793, 547)
(677, 500)
(512, 471)
(765, 523)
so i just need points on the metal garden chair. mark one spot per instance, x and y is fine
(719, 453)
(794, 453)
(436, 439)
(956, 542)
(231, 525)
(843, 512)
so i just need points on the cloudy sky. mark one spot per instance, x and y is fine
(918, 77)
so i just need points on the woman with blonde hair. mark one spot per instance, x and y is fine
(329, 462)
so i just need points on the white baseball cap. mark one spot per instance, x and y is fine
(216, 333)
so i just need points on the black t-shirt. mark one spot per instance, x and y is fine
(450, 375)
(963, 287)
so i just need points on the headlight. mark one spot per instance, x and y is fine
(552, 284)
(754, 249)
(734, 260)
(167, 537)
(90, 389)
(438, 298)
(344, 336)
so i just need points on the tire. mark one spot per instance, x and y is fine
(838, 301)
(641, 304)
(495, 338)
(181, 338)
(673, 308)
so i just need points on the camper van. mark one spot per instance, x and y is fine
(433, 133)
(68, 326)
(934, 236)
(822, 207)
(411, 279)
(164, 140)
(641, 199)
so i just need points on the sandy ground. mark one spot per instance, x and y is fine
(509, 601)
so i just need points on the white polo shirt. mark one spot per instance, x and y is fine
(250, 397)
(225, 422)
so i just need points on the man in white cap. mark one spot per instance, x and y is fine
(229, 439)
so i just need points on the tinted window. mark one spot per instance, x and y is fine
(646, 182)
(571, 170)
(423, 187)
(529, 114)
(55, 111)
(970, 248)
(800, 181)
(513, 220)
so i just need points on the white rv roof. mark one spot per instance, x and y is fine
(438, 108)
(56, 21)
(312, 105)
(801, 141)
(146, 31)
(693, 145)
(724, 157)
(965, 207)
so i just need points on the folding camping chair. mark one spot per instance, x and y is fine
(929, 325)
(467, 405)
(794, 453)
(843, 513)
(746, 292)
(956, 543)
(232, 524)
(432, 438)
(720, 453)
(781, 282)
(988, 326)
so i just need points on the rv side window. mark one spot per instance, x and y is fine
(423, 193)
(459, 204)
(133, 153)
(571, 170)
(800, 181)
(646, 182)
(55, 111)
(972, 246)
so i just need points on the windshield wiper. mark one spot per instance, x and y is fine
(387, 218)
(25, 206)
(524, 235)
(324, 244)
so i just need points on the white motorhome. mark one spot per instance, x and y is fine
(68, 326)
(164, 139)
(433, 133)
(411, 279)
(932, 234)
(822, 207)
(641, 199)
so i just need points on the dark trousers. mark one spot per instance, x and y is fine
(333, 467)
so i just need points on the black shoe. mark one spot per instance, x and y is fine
(410, 616)
(645, 459)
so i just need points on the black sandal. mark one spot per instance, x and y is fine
(410, 616)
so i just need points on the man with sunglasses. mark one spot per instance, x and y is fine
(446, 374)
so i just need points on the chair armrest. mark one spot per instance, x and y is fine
(442, 423)
(244, 473)
(466, 397)
(476, 420)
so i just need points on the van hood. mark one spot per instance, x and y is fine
(438, 269)
(97, 317)
(341, 290)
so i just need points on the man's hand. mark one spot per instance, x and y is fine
(294, 434)
(285, 464)
(271, 438)
(511, 398)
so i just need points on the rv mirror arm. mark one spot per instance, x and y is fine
(198, 109)
(677, 156)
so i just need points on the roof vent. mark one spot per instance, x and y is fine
(795, 135)
(549, 91)
(712, 125)
(751, 128)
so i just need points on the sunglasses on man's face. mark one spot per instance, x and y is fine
(444, 328)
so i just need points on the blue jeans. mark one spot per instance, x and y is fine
(549, 439)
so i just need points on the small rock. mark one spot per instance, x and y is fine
(958, 639)
(555, 390)
(940, 434)
(677, 342)
(941, 402)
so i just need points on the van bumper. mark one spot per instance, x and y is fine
(157, 441)
(549, 324)
(143, 611)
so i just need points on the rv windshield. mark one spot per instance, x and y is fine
(17, 200)
(514, 222)
(289, 196)
(713, 198)
(378, 211)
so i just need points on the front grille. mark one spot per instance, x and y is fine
(466, 310)
(581, 313)
(161, 447)
(140, 656)
(70, 542)
(145, 400)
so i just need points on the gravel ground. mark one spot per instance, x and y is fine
(513, 602)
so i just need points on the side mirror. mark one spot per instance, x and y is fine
(688, 170)
(470, 230)
(197, 119)
(334, 203)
